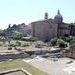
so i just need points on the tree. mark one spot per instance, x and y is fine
(19, 36)
(9, 26)
(23, 24)
(14, 26)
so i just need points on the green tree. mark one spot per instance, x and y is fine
(19, 36)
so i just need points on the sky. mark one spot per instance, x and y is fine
(27, 11)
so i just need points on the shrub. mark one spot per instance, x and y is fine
(54, 41)
(61, 43)
(26, 44)
(11, 45)
(18, 43)
(1, 44)
(68, 39)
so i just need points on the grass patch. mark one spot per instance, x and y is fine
(18, 63)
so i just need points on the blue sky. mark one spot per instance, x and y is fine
(26, 11)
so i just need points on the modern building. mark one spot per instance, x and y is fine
(50, 28)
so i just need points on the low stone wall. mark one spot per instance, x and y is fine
(18, 48)
(13, 56)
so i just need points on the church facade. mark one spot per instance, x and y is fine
(50, 28)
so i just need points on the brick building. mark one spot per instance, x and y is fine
(49, 28)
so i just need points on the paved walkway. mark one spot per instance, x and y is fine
(53, 66)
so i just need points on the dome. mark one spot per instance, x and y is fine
(58, 17)
(46, 15)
